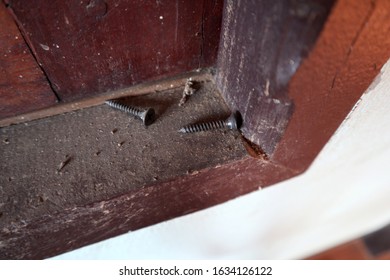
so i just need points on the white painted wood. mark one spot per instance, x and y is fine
(344, 194)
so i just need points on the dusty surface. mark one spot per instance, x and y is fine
(98, 99)
(98, 153)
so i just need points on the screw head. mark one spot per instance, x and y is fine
(148, 116)
(232, 122)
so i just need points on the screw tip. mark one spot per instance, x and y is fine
(182, 130)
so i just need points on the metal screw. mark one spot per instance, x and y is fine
(230, 123)
(146, 115)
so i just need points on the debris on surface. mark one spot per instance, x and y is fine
(73, 163)
(266, 91)
(189, 89)
(64, 163)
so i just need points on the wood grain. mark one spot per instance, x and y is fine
(72, 228)
(346, 57)
(291, 111)
(262, 46)
(349, 54)
(140, 89)
(23, 86)
(90, 47)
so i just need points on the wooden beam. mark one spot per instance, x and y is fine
(262, 45)
(293, 97)
(23, 86)
(349, 54)
(91, 47)
(97, 99)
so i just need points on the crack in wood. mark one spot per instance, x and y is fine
(354, 40)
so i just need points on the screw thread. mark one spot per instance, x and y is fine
(203, 127)
(124, 108)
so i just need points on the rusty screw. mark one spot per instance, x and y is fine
(231, 123)
(146, 115)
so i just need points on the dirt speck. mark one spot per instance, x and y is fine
(45, 47)
(64, 163)
(192, 172)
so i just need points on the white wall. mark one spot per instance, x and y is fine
(345, 194)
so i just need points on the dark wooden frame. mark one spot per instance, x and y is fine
(345, 58)
(91, 47)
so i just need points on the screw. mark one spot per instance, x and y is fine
(231, 123)
(146, 115)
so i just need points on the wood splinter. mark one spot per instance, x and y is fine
(64, 163)
(189, 89)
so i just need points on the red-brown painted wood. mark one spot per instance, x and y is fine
(262, 46)
(292, 112)
(375, 245)
(23, 86)
(347, 57)
(354, 250)
(348, 54)
(94, 46)
(79, 226)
